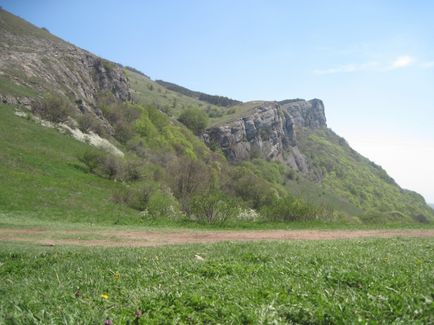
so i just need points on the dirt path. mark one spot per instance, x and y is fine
(124, 238)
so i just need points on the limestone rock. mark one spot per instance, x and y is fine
(269, 131)
(35, 59)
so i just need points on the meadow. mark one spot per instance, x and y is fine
(298, 282)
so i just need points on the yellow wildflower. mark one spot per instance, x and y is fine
(105, 296)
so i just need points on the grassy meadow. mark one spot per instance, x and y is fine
(303, 282)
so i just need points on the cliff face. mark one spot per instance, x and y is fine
(32, 58)
(270, 131)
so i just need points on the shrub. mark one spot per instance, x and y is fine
(195, 119)
(289, 209)
(188, 177)
(132, 171)
(213, 207)
(421, 218)
(103, 164)
(88, 122)
(145, 127)
(151, 199)
(92, 159)
(121, 116)
(252, 189)
(123, 132)
(54, 108)
(162, 204)
(136, 198)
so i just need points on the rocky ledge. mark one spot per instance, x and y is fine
(269, 131)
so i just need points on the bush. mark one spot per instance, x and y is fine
(252, 189)
(88, 122)
(132, 171)
(136, 198)
(289, 209)
(188, 177)
(162, 204)
(213, 207)
(104, 164)
(121, 117)
(195, 119)
(150, 199)
(54, 108)
(92, 159)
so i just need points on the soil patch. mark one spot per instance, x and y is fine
(122, 238)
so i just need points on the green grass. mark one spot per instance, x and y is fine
(19, 27)
(324, 282)
(40, 176)
(148, 92)
(239, 111)
(8, 87)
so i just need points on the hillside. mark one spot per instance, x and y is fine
(211, 99)
(169, 153)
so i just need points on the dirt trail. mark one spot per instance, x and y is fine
(125, 238)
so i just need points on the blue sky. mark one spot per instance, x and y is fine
(371, 62)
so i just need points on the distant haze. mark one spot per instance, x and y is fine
(371, 62)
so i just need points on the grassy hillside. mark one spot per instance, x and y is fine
(149, 92)
(360, 181)
(41, 176)
(211, 99)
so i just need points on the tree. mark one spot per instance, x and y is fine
(195, 119)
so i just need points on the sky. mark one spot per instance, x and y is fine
(371, 62)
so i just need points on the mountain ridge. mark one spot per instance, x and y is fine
(211, 99)
(277, 158)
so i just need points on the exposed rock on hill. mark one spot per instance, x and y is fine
(32, 58)
(269, 131)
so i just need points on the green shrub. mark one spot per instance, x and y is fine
(54, 108)
(87, 122)
(188, 177)
(289, 209)
(257, 192)
(195, 119)
(121, 116)
(162, 204)
(149, 198)
(132, 170)
(145, 127)
(92, 159)
(213, 207)
(104, 164)
(136, 197)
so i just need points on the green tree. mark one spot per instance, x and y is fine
(195, 119)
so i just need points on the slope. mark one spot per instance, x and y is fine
(324, 169)
(266, 161)
(41, 176)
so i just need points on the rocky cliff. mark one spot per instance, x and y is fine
(32, 58)
(269, 131)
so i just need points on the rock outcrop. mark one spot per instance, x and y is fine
(33, 58)
(269, 131)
